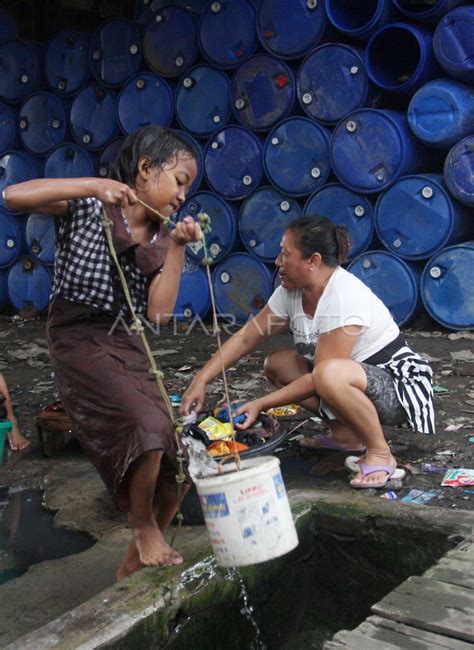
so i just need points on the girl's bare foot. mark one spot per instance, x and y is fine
(130, 564)
(153, 550)
(16, 439)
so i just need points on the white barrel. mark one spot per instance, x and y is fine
(247, 513)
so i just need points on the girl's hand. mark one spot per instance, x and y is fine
(193, 398)
(186, 231)
(252, 411)
(112, 192)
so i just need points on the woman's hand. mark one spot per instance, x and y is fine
(252, 410)
(186, 231)
(194, 397)
(112, 192)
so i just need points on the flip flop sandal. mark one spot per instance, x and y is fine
(321, 442)
(352, 465)
(366, 470)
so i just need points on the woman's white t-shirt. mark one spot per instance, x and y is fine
(346, 300)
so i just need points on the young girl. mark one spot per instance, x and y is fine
(101, 369)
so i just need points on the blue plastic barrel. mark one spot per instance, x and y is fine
(67, 62)
(360, 18)
(170, 41)
(8, 27)
(263, 218)
(426, 11)
(43, 123)
(93, 117)
(145, 99)
(145, 10)
(197, 148)
(69, 161)
(10, 239)
(446, 287)
(345, 208)
(227, 33)
(242, 286)
(263, 92)
(332, 82)
(16, 167)
(3, 288)
(29, 285)
(391, 70)
(9, 137)
(40, 237)
(393, 280)
(454, 43)
(194, 296)
(115, 52)
(458, 168)
(20, 70)
(290, 38)
(417, 217)
(203, 100)
(107, 156)
(233, 162)
(442, 112)
(296, 156)
(370, 149)
(222, 238)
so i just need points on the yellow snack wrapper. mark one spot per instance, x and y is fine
(284, 411)
(215, 429)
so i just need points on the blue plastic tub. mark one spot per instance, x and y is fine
(417, 217)
(296, 156)
(370, 149)
(360, 18)
(345, 208)
(332, 82)
(3, 288)
(203, 100)
(194, 296)
(393, 280)
(391, 70)
(290, 39)
(222, 238)
(9, 135)
(242, 286)
(107, 156)
(446, 287)
(233, 162)
(43, 123)
(227, 33)
(29, 284)
(67, 62)
(16, 167)
(115, 52)
(170, 41)
(458, 168)
(426, 11)
(8, 27)
(10, 239)
(145, 99)
(40, 234)
(93, 117)
(263, 218)
(21, 70)
(454, 43)
(442, 112)
(69, 161)
(263, 92)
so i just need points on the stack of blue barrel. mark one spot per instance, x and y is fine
(358, 111)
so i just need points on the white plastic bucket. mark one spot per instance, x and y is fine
(247, 513)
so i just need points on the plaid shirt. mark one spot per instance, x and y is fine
(84, 271)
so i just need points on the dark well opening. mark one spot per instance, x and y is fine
(346, 561)
(27, 535)
(394, 56)
(350, 15)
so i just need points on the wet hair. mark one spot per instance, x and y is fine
(315, 234)
(156, 143)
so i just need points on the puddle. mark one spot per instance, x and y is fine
(27, 535)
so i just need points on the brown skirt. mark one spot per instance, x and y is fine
(114, 403)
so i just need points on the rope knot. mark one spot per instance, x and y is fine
(137, 326)
(156, 373)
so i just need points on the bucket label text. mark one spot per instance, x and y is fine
(214, 505)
